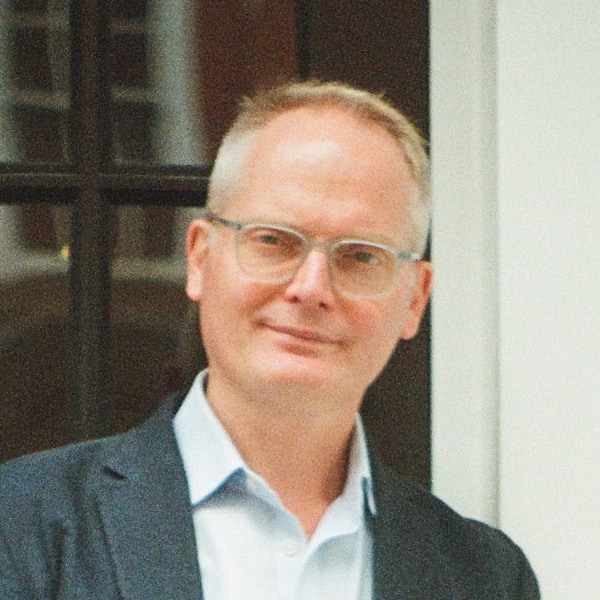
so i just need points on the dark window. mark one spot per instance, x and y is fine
(110, 113)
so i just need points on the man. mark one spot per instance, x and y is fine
(307, 269)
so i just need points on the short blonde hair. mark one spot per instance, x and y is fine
(258, 111)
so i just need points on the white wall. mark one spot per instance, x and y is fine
(516, 327)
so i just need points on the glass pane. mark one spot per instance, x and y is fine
(149, 311)
(178, 70)
(34, 327)
(34, 81)
(153, 91)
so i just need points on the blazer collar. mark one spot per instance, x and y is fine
(144, 505)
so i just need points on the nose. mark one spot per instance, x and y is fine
(312, 283)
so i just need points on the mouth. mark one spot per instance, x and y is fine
(304, 334)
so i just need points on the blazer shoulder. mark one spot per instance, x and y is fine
(473, 554)
(51, 478)
(56, 506)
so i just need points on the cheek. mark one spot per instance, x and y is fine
(376, 336)
(219, 303)
(229, 299)
(379, 331)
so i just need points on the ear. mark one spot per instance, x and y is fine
(418, 302)
(196, 248)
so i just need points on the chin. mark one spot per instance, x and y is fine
(304, 373)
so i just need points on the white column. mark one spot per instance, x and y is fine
(465, 257)
(524, 336)
(176, 79)
(549, 208)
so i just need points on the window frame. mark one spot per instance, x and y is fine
(93, 188)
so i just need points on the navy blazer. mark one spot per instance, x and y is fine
(111, 519)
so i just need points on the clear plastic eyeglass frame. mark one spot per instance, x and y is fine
(357, 268)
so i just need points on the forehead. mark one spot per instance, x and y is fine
(324, 127)
(327, 165)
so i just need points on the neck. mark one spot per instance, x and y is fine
(298, 444)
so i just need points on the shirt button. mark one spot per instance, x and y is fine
(252, 485)
(290, 548)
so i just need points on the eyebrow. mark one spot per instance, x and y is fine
(357, 238)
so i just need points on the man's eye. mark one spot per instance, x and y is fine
(265, 237)
(365, 257)
(269, 239)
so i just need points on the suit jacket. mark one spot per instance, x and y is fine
(110, 519)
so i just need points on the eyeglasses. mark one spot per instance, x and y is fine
(273, 254)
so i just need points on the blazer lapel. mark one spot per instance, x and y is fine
(144, 505)
(407, 560)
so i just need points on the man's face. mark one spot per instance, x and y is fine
(330, 176)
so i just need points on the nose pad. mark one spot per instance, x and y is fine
(312, 280)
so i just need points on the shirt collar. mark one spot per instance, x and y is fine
(359, 468)
(210, 458)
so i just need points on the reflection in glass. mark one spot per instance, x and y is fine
(34, 81)
(148, 309)
(34, 329)
(148, 319)
(154, 83)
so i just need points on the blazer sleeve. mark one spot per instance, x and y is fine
(23, 552)
(10, 583)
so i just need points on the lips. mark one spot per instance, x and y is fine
(300, 333)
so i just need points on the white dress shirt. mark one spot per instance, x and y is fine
(249, 545)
